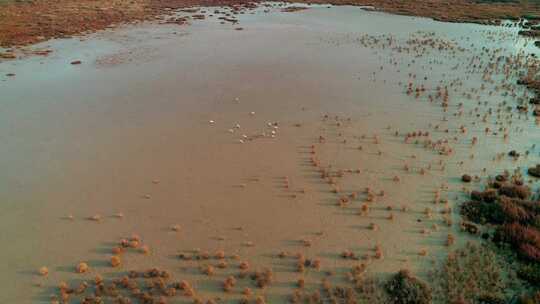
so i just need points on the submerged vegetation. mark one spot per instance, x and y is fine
(404, 288)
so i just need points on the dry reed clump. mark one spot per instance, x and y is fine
(357, 274)
(428, 212)
(301, 283)
(220, 254)
(378, 252)
(448, 221)
(222, 264)
(347, 254)
(43, 271)
(133, 242)
(229, 283)
(316, 264)
(244, 300)
(202, 255)
(300, 266)
(117, 250)
(115, 261)
(450, 239)
(306, 242)
(150, 286)
(364, 209)
(263, 278)
(243, 266)
(302, 263)
(208, 270)
(144, 249)
(296, 297)
(260, 300)
(82, 267)
(186, 287)
(98, 279)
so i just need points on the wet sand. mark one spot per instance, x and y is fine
(143, 128)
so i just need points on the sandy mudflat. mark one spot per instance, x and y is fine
(248, 140)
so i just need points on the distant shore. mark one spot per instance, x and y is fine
(24, 23)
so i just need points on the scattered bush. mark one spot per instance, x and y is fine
(516, 234)
(488, 196)
(403, 288)
(263, 278)
(530, 273)
(490, 299)
(513, 211)
(534, 171)
(501, 210)
(482, 212)
(509, 205)
(524, 240)
(529, 252)
(515, 191)
(529, 299)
